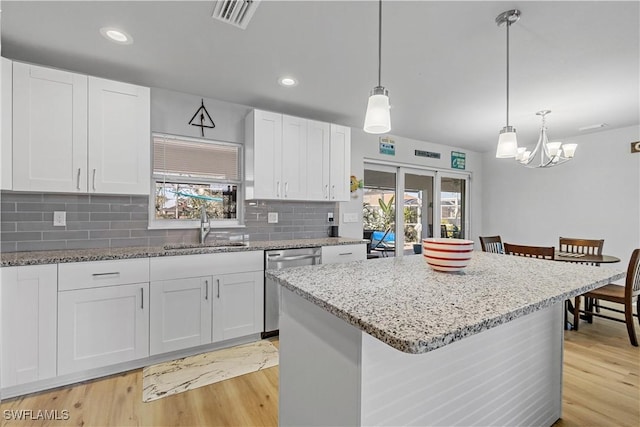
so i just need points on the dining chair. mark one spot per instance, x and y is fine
(545, 252)
(492, 244)
(581, 246)
(624, 295)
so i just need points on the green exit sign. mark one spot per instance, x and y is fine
(458, 160)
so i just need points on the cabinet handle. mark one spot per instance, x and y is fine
(78, 179)
(333, 191)
(113, 273)
(277, 188)
(142, 298)
(206, 289)
(286, 188)
(218, 280)
(94, 180)
(326, 191)
(346, 253)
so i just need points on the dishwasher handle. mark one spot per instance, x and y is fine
(292, 258)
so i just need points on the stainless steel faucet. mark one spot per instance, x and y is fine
(205, 224)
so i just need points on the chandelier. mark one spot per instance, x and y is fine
(545, 154)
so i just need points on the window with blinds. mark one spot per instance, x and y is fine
(191, 174)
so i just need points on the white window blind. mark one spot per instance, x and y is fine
(173, 156)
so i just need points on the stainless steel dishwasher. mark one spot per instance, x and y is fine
(278, 260)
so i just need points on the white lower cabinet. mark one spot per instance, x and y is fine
(180, 314)
(199, 299)
(29, 308)
(103, 318)
(238, 305)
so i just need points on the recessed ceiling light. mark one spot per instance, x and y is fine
(116, 36)
(288, 81)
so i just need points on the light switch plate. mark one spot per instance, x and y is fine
(272, 217)
(59, 218)
(350, 217)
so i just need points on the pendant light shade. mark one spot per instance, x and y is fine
(378, 117)
(507, 143)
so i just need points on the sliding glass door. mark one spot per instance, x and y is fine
(403, 205)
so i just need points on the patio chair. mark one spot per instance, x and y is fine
(384, 244)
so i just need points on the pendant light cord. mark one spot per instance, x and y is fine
(379, 42)
(507, 24)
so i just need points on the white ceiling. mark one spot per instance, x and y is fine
(443, 61)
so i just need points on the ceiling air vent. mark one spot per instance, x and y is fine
(235, 12)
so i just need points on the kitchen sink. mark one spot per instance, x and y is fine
(189, 246)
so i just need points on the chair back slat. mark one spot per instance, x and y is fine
(545, 252)
(492, 244)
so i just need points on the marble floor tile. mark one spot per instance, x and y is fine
(191, 372)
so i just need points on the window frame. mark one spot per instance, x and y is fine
(167, 224)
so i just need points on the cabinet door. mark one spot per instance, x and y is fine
(238, 305)
(119, 137)
(102, 326)
(340, 153)
(294, 158)
(49, 129)
(317, 163)
(267, 155)
(6, 138)
(28, 323)
(180, 314)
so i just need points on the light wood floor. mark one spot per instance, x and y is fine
(601, 388)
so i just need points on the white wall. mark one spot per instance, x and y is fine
(366, 146)
(595, 196)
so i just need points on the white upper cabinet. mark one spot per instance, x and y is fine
(294, 158)
(340, 163)
(119, 137)
(49, 129)
(291, 158)
(73, 133)
(6, 124)
(263, 151)
(318, 160)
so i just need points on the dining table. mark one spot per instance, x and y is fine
(582, 259)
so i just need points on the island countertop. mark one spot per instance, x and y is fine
(405, 304)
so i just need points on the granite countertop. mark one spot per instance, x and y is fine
(404, 303)
(9, 259)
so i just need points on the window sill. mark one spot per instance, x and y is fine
(184, 225)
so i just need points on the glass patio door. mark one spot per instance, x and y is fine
(453, 212)
(379, 208)
(417, 208)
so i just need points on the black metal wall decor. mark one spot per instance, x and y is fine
(202, 111)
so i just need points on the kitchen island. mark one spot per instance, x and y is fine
(392, 342)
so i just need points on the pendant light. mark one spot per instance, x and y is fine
(507, 141)
(378, 118)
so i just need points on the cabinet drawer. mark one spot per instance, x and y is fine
(181, 266)
(343, 253)
(84, 275)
